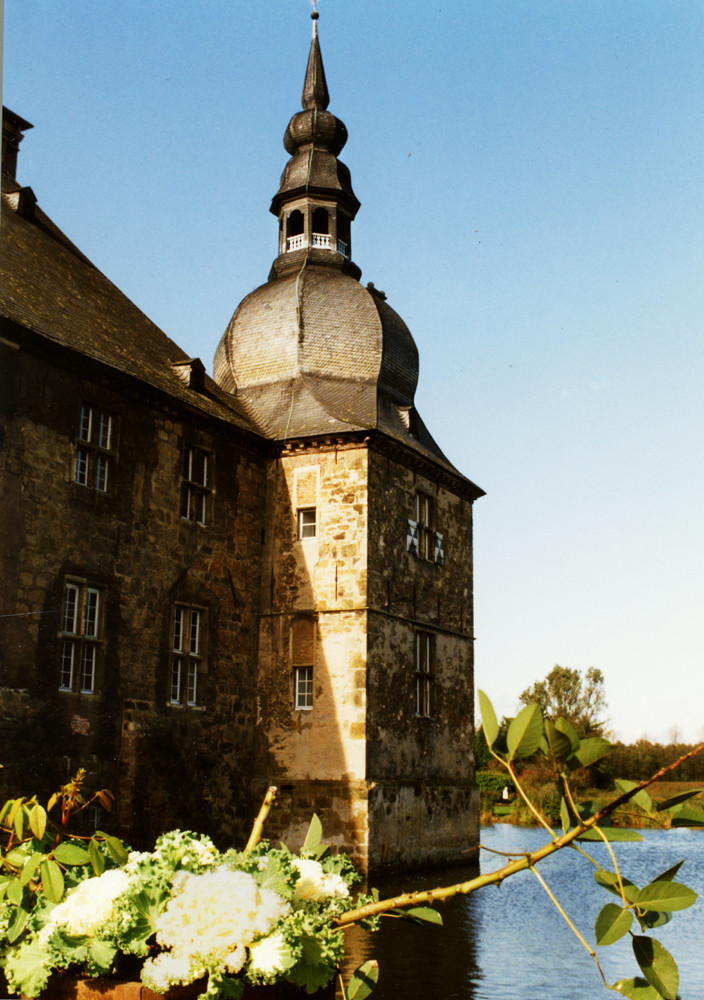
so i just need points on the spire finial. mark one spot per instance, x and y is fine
(315, 90)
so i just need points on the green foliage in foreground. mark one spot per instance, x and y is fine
(47, 874)
(646, 907)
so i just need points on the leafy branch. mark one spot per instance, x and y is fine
(650, 906)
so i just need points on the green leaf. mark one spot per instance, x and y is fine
(665, 896)
(669, 874)
(37, 820)
(17, 857)
(146, 906)
(609, 881)
(274, 877)
(224, 987)
(17, 924)
(71, 854)
(565, 816)
(525, 732)
(362, 981)
(97, 858)
(313, 970)
(313, 842)
(52, 881)
(648, 919)
(589, 752)
(422, 914)
(621, 834)
(30, 867)
(657, 965)
(560, 743)
(641, 798)
(14, 892)
(677, 800)
(117, 849)
(18, 821)
(489, 722)
(688, 817)
(565, 727)
(612, 923)
(637, 989)
(28, 968)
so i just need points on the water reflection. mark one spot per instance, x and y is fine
(510, 943)
(420, 962)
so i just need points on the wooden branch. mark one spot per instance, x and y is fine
(429, 896)
(256, 834)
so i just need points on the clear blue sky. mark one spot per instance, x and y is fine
(530, 173)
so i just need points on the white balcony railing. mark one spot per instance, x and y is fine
(322, 240)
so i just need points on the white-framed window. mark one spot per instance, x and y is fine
(307, 522)
(95, 448)
(197, 485)
(422, 539)
(424, 673)
(188, 662)
(425, 517)
(302, 661)
(81, 637)
(303, 683)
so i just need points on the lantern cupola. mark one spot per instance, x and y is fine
(315, 203)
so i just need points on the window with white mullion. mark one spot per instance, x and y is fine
(81, 638)
(424, 673)
(94, 448)
(192, 692)
(85, 426)
(304, 688)
(105, 431)
(196, 489)
(88, 669)
(176, 667)
(68, 655)
(187, 661)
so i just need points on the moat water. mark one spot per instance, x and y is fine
(510, 943)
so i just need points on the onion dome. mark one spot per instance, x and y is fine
(313, 351)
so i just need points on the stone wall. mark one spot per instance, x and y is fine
(169, 765)
(422, 808)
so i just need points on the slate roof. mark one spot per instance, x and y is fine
(49, 287)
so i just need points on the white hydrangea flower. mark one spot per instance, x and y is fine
(212, 917)
(134, 858)
(268, 955)
(315, 884)
(236, 959)
(165, 970)
(87, 906)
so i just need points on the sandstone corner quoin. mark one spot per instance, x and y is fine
(214, 585)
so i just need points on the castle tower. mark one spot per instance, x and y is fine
(365, 678)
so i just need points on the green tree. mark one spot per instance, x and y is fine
(568, 694)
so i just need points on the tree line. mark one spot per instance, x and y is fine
(580, 698)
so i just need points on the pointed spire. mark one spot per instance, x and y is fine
(315, 89)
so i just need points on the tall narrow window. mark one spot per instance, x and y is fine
(302, 658)
(95, 453)
(422, 539)
(197, 485)
(81, 638)
(425, 673)
(187, 656)
(425, 516)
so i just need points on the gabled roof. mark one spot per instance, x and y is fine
(50, 288)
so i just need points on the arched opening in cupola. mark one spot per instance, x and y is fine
(343, 234)
(294, 223)
(320, 221)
